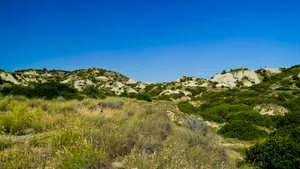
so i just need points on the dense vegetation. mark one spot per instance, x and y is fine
(53, 90)
(242, 129)
(48, 90)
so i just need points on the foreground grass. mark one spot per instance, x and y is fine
(111, 133)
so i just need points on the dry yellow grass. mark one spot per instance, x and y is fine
(111, 133)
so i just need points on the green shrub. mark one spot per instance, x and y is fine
(251, 116)
(242, 130)
(295, 77)
(282, 152)
(290, 119)
(293, 104)
(187, 107)
(154, 89)
(298, 83)
(93, 92)
(261, 87)
(163, 97)
(196, 91)
(219, 113)
(176, 96)
(143, 96)
(48, 90)
(283, 96)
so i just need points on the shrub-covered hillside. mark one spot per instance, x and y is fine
(266, 115)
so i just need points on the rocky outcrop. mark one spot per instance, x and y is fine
(272, 70)
(236, 79)
(270, 109)
(80, 84)
(131, 81)
(8, 77)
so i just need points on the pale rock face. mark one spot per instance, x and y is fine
(230, 79)
(8, 77)
(117, 90)
(183, 99)
(169, 92)
(247, 83)
(191, 84)
(118, 85)
(89, 82)
(250, 74)
(273, 70)
(102, 78)
(48, 75)
(204, 85)
(131, 81)
(31, 73)
(66, 81)
(79, 84)
(186, 92)
(141, 86)
(226, 80)
(131, 90)
(30, 79)
(270, 109)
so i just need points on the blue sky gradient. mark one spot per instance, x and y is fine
(150, 40)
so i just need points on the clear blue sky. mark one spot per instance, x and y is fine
(157, 40)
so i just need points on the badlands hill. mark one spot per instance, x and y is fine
(257, 113)
(186, 87)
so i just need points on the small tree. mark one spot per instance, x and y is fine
(93, 92)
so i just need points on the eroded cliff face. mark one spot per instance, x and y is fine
(237, 79)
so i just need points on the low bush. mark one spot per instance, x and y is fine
(284, 96)
(48, 90)
(93, 92)
(282, 152)
(298, 83)
(219, 113)
(242, 130)
(143, 96)
(261, 87)
(187, 107)
(251, 116)
(114, 104)
(196, 91)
